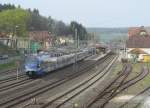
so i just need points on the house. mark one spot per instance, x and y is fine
(35, 40)
(134, 31)
(40, 39)
(138, 45)
(100, 48)
(4, 38)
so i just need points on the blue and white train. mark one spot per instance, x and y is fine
(38, 65)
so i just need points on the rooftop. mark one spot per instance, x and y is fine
(134, 31)
(138, 41)
(40, 35)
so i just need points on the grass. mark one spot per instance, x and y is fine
(7, 66)
(118, 67)
(135, 71)
(141, 84)
(137, 68)
(138, 87)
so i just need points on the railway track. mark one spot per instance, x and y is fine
(105, 96)
(136, 96)
(144, 72)
(12, 78)
(114, 85)
(10, 75)
(73, 92)
(26, 95)
(15, 84)
(142, 101)
(18, 82)
(131, 82)
(7, 71)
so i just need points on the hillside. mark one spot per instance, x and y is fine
(108, 34)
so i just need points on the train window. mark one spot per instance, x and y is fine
(52, 55)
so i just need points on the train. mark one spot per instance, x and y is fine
(42, 63)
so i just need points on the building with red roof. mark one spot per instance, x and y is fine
(134, 31)
(138, 42)
(43, 37)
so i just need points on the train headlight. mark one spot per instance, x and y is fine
(38, 66)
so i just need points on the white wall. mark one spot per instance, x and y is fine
(147, 50)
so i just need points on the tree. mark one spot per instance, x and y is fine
(81, 31)
(6, 7)
(50, 24)
(58, 27)
(14, 21)
(37, 22)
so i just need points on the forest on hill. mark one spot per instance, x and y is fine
(16, 19)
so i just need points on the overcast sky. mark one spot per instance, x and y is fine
(93, 13)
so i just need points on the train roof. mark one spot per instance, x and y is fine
(48, 58)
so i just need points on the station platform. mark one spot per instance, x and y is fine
(97, 57)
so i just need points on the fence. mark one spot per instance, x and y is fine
(8, 60)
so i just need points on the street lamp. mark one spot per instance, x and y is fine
(18, 64)
(16, 28)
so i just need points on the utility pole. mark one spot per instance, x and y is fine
(16, 29)
(76, 48)
(76, 42)
(77, 38)
(124, 41)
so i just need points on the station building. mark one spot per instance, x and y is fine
(101, 49)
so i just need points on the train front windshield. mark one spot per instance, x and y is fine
(31, 60)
